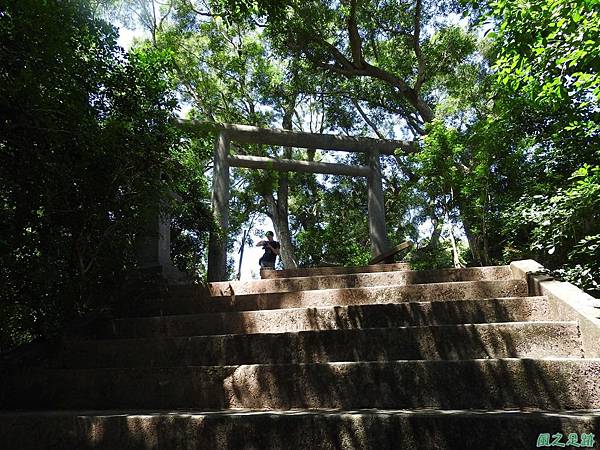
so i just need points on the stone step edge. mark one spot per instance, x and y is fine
(323, 308)
(565, 323)
(271, 274)
(297, 428)
(571, 383)
(342, 275)
(138, 413)
(223, 286)
(429, 362)
(430, 286)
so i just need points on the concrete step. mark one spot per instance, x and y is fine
(294, 429)
(332, 318)
(317, 271)
(497, 340)
(466, 290)
(228, 288)
(552, 384)
(191, 300)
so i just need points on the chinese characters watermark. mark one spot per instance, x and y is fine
(573, 440)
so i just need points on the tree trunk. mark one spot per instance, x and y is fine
(242, 246)
(279, 207)
(437, 227)
(435, 235)
(480, 257)
(455, 255)
(279, 214)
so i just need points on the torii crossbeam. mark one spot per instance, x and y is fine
(226, 133)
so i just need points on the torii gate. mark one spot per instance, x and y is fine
(217, 252)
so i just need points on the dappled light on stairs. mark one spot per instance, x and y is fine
(433, 359)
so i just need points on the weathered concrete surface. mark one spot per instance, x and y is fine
(348, 349)
(552, 384)
(228, 288)
(503, 340)
(294, 429)
(566, 301)
(466, 290)
(318, 271)
(199, 304)
(382, 315)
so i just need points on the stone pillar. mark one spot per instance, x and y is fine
(217, 247)
(149, 249)
(153, 246)
(377, 228)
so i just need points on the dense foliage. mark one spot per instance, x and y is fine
(84, 135)
(549, 59)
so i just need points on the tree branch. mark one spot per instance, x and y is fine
(417, 47)
(412, 177)
(160, 22)
(354, 37)
(367, 119)
(350, 70)
(337, 55)
(201, 13)
(154, 24)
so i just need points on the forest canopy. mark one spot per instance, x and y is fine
(502, 99)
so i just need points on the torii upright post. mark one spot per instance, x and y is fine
(217, 247)
(377, 229)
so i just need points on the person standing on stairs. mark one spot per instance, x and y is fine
(271, 248)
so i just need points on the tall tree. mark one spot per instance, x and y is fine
(84, 129)
(402, 46)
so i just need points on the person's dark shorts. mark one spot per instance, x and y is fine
(266, 264)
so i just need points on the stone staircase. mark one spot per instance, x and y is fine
(370, 358)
